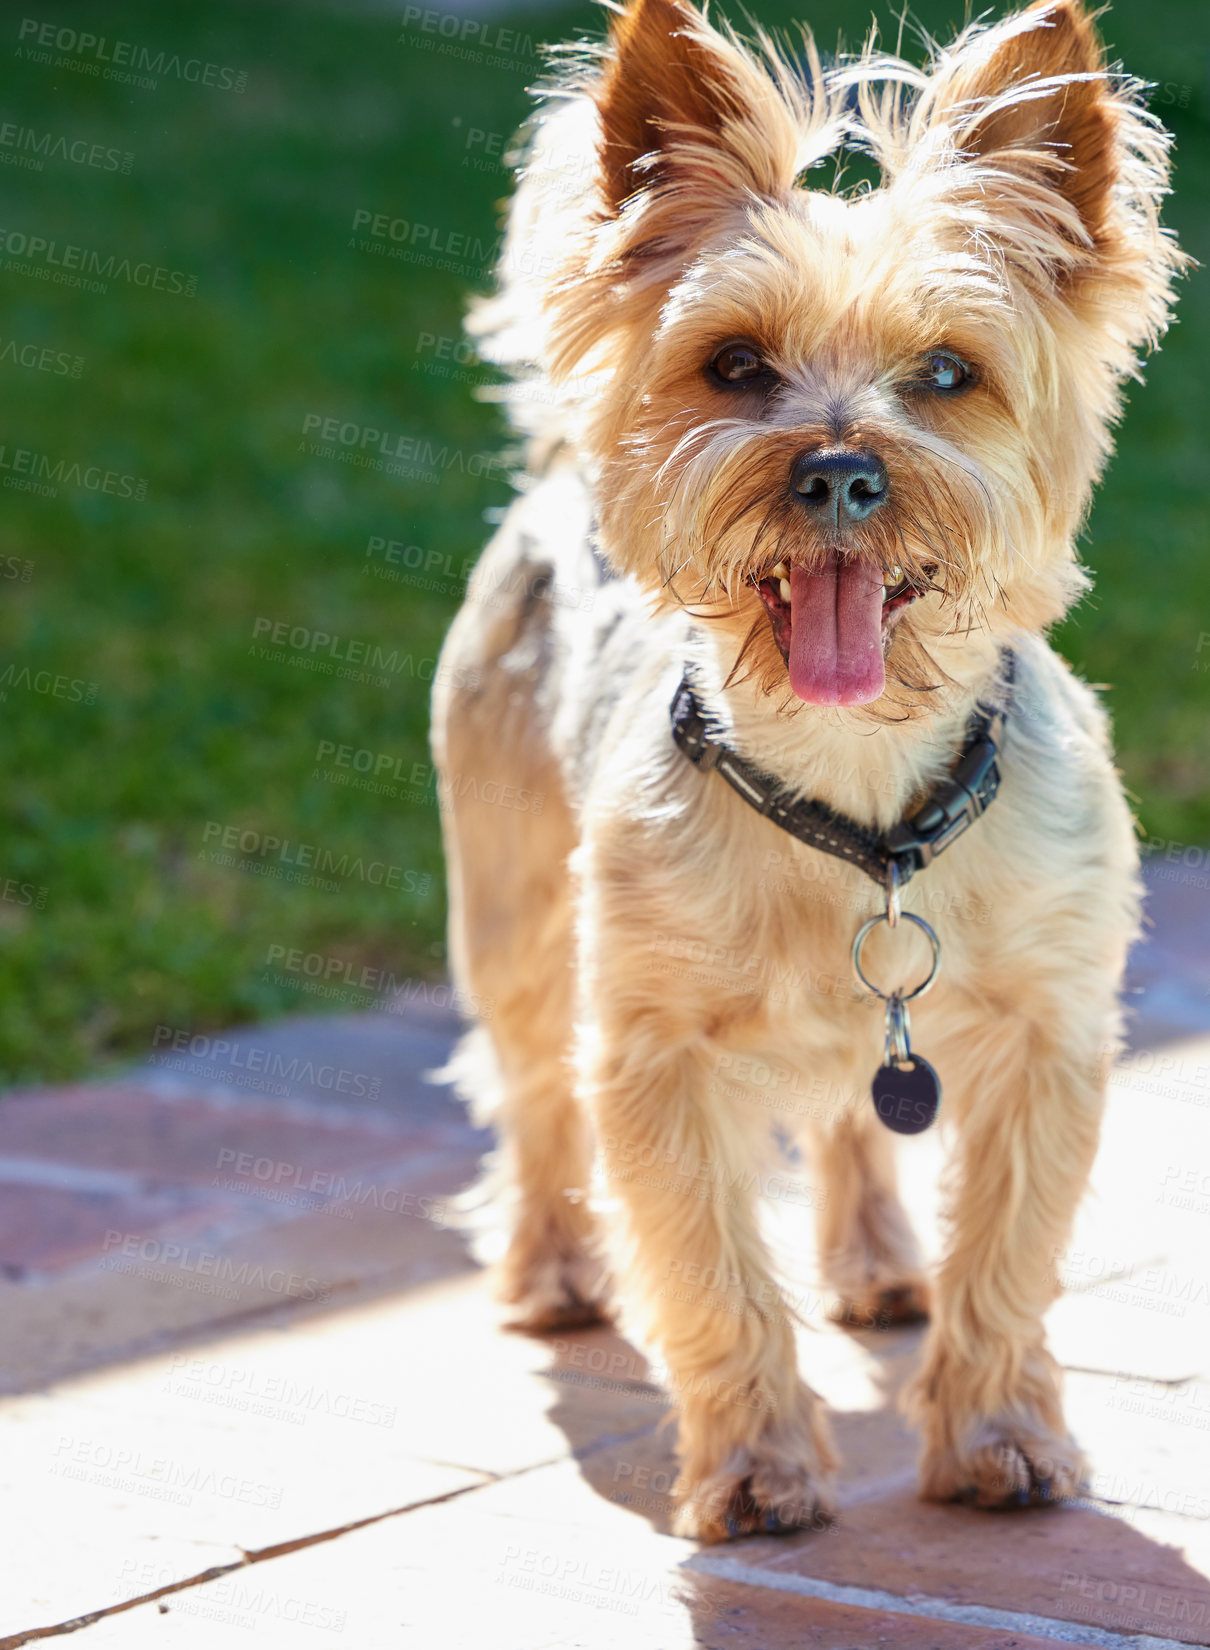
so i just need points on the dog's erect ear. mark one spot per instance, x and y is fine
(673, 87)
(1036, 87)
(661, 77)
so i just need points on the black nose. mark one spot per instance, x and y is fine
(831, 482)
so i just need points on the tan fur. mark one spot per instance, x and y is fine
(646, 928)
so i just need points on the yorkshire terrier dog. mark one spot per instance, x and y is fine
(757, 660)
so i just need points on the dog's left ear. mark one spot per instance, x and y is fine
(1069, 169)
(1032, 98)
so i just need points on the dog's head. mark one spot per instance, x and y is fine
(845, 426)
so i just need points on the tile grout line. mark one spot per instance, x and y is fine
(259, 1555)
(936, 1609)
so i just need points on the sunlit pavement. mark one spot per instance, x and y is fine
(255, 1383)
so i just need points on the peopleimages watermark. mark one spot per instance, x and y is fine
(276, 1397)
(1173, 861)
(448, 356)
(67, 264)
(429, 569)
(691, 1175)
(339, 980)
(626, 1372)
(1130, 1283)
(29, 148)
(409, 456)
(15, 892)
(280, 642)
(1186, 1187)
(73, 690)
(27, 471)
(161, 1477)
(468, 39)
(122, 61)
(271, 855)
(586, 1580)
(565, 175)
(239, 1600)
(751, 973)
(41, 358)
(436, 246)
(247, 1064)
(327, 1189)
(1181, 1403)
(382, 773)
(1131, 1605)
(205, 1271)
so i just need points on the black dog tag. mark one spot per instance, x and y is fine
(908, 1097)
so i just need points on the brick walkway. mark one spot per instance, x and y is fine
(253, 1382)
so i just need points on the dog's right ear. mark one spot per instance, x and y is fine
(675, 131)
(679, 105)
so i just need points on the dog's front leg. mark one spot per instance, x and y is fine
(988, 1396)
(693, 1270)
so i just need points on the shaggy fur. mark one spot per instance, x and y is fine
(633, 929)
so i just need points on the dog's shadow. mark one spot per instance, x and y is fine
(1084, 1563)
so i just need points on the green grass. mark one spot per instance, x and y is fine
(106, 804)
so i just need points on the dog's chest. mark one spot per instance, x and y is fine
(797, 949)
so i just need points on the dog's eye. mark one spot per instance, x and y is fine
(945, 372)
(738, 364)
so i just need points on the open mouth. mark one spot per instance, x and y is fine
(833, 626)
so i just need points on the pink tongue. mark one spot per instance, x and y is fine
(836, 634)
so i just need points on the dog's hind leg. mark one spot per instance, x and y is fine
(868, 1254)
(508, 834)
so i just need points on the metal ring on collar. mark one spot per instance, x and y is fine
(863, 934)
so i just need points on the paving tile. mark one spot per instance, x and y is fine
(1117, 1331)
(536, 1562)
(478, 1400)
(717, 1614)
(1143, 1546)
(45, 1228)
(266, 1437)
(120, 1126)
(156, 1471)
(179, 1284)
(1137, 1270)
(1168, 981)
(751, 1617)
(136, 1501)
(303, 1055)
(82, 1169)
(1037, 1562)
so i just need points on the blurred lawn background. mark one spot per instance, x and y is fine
(105, 805)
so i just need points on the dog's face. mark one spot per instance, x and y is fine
(850, 430)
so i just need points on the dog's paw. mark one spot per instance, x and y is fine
(884, 1305)
(1005, 1468)
(769, 1500)
(555, 1292)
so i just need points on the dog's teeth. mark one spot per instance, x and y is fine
(781, 570)
(785, 590)
(894, 577)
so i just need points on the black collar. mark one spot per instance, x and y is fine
(913, 842)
